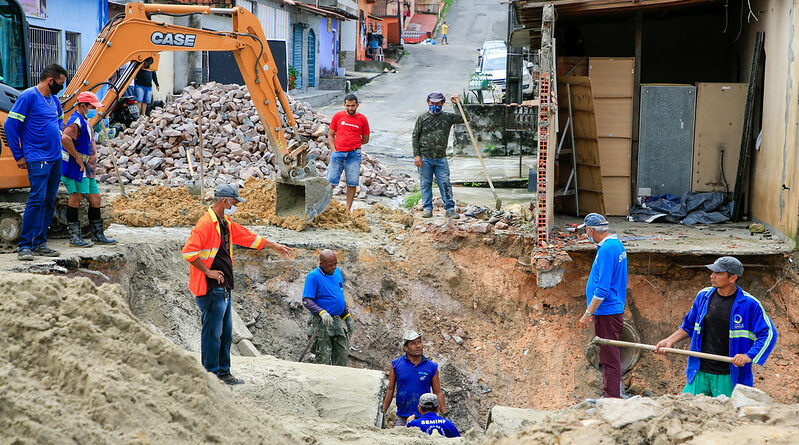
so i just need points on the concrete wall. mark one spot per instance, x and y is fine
(488, 126)
(328, 44)
(777, 161)
(74, 16)
(349, 37)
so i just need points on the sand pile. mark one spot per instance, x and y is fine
(76, 366)
(398, 216)
(175, 207)
(156, 148)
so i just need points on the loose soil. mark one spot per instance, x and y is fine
(175, 207)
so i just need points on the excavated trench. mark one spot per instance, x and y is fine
(500, 340)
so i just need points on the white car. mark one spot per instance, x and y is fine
(494, 62)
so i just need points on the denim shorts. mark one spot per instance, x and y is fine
(347, 161)
(143, 94)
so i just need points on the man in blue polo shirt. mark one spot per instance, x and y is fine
(429, 421)
(606, 294)
(33, 129)
(323, 295)
(412, 375)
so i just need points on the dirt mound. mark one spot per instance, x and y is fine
(76, 366)
(175, 207)
(660, 420)
(398, 216)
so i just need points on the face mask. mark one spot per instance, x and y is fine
(92, 113)
(55, 88)
(590, 238)
(435, 109)
(230, 211)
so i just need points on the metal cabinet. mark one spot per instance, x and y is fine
(666, 139)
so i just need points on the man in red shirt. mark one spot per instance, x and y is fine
(349, 130)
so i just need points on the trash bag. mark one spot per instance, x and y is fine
(690, 208)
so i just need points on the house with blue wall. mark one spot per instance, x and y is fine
(62, 31)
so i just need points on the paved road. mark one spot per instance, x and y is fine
(393, 101)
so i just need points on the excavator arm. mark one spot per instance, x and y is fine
(136, 38)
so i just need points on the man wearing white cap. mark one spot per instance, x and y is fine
(412, 375)
(78, 171)
(606, 293)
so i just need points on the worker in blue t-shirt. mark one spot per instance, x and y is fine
(412, 375)
(33, 129)
(323, 295)
(606, 293)
(429, 421)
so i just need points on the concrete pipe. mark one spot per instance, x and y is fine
(629, 356)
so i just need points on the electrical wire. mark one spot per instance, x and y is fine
(741, 22)
(723, 177)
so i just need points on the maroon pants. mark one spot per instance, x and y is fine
(609, 326)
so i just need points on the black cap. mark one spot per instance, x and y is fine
(227, 191)
(727, 264)
(436, 96)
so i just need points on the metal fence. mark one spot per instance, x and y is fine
(72, 50)
(45, 48)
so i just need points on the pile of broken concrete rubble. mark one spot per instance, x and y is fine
(749, 416)
(156, 149)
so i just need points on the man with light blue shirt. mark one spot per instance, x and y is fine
(606, 293)
(323, 295)
(33, 129)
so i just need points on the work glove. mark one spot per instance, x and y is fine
(349, 325)
(327, 319)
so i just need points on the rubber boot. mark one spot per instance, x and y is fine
(75, 238)
(97, 233)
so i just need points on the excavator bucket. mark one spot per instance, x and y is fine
(305, 198)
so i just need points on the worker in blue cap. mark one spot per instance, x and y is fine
(606, 293)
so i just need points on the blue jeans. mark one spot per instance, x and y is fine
(217, 332)
(143, 94)
(439, 168)
(347, 161)
(44, 178)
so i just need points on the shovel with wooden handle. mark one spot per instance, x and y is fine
(113, 159)
(627, 344)
(477, 150)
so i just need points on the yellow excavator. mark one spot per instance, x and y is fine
(134, 37)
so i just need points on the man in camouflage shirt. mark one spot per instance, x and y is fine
(430, 139)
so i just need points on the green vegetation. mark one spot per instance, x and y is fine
(493, 150)
(447, 4)
(412, 199)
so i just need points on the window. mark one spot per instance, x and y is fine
(72, 50)
(12, 58)
(45, 49)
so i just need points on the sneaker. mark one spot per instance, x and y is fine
(453, 214)
(428, 213)
(228, 379)
(25, 255)
(44, 250)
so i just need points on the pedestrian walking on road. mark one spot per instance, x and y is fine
(412, 375)
(209, 250)
(78, 173)
(349, 131)
(429, 421)
(323, 296)
(606, 294)
(444, 29)
(33, 130)
(430, 139)
(724, 320)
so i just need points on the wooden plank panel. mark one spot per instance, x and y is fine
(616, 190)
(614, 156)
(614, 117)
(566, 64)
(611, 77)
(587, 151)
(719, 124)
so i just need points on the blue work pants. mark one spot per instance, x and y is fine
(44, 178)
